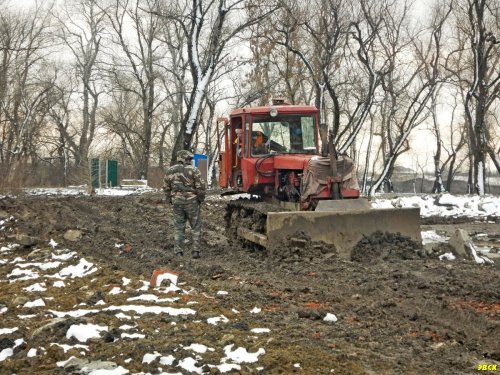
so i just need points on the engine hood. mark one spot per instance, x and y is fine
(291, 161)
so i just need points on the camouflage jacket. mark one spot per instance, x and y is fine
(183, 182)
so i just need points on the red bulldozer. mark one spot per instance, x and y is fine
(273, 153)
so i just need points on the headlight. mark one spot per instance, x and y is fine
(273, 112)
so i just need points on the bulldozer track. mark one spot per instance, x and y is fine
(249, 213)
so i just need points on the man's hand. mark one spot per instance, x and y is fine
(201, 196)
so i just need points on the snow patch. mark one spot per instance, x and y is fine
(132, 336)
(148, 357)
(83, 332)
(65, 347)
(73, 314)
(140, 309)
(59, 284)
(38, 287)
(152, 298)
(241, 355)
(83, 268)
(6, 331)
(19, 274)
(6, 353)
(116, 371)
(260, 330)
(167, 361)
(63, 256)
(478, 259)
(115, 290)
(36, 303)
(189, 364)
(430, 236)
(9, 247)
(215, 320)
(9, 352)
(199, 348)
(445, 205)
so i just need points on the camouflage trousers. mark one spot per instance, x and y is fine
(186, 211)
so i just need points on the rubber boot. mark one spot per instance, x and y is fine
(195, 254)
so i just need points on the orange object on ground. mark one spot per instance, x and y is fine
(166, 274)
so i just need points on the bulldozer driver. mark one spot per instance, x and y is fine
(258, 143)
(185, 190)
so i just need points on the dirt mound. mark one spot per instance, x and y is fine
(381, 246)
(300, 248)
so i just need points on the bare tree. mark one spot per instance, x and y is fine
(408, 89)
(450, 139)
(438, 186)
(63, 139)
(135, 31)
(123, 117)
(366, 33)
(25, 80)
(174, 80)
(209, 27)
(479, 21)
(82, 26)
(321, 40)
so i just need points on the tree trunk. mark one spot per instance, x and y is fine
(367, 159)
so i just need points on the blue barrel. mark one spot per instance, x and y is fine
(197, 158)
(201, 162)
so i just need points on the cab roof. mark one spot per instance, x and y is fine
(282, 109)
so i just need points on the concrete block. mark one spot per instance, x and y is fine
(460, 241)
(465, 248)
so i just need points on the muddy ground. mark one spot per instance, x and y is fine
(403, 315)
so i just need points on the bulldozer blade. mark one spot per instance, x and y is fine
(343, 205)
(252, 236)
(344, 229)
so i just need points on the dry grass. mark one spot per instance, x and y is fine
(13, 180)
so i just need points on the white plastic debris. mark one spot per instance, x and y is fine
(447, 256)
(330, 318)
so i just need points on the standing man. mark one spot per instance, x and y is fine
(185, 190)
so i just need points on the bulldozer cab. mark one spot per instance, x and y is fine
(257, 133)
